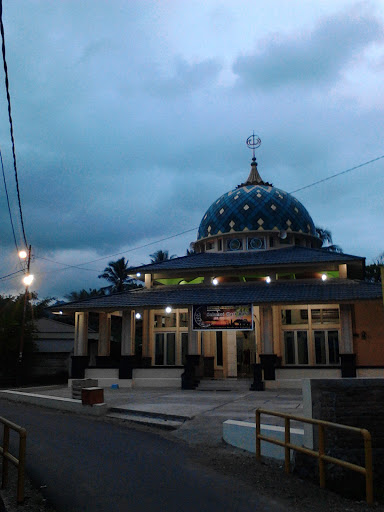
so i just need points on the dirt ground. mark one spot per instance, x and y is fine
(267, 477)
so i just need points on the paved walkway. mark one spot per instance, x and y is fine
(204, 411)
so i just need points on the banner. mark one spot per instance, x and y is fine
(222, 318)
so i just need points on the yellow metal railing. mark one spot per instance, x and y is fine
(320, 454)
(8, 457)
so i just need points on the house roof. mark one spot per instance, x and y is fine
(278, 292)
(213, 260)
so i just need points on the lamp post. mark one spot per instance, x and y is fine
(28, 278)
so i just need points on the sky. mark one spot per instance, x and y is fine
(130, 119)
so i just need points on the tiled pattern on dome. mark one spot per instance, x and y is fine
(256, 207)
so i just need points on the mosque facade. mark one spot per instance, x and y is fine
(259, 298)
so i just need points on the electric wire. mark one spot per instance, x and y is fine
(11, 274)
(9, 207)
(195, 228)
(10, 120)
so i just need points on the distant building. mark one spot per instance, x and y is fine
(258, 290)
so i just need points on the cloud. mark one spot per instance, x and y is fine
(314, 57)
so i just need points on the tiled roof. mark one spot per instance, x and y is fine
(278, 292)
(209, 260)
(253, 207)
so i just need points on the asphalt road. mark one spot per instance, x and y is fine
(89, 465)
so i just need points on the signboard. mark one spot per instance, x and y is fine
(222, 318)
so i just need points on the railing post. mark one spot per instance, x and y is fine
(4, 479)
(258, 442)
(21, 465)
(286, 448)
(321, 454)
(368, 467)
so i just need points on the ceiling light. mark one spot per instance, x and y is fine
(268, 279)
(138, 274)
(215, 281)
(168, 309)
(138, 316)
(324, 277)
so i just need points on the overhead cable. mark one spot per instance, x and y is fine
(10, 120)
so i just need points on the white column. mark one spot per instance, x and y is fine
(104, 344)
(346, 338)
(81, 334)
(192, 335)
(231, 353)
(148, 280)
(267, 329)
(127, 334)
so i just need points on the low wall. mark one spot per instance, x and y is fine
(242, 434)
(355, 402)
(52, 402)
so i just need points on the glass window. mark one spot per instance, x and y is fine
(164, 320)
(219, 348)
(325, 316)
(321, 357)
(302, 347)
(289, 345)
(294, 316)
(234, 244)
(171, 349)
(183, 319)
(333, 347)
(220, 245)
(159, 349)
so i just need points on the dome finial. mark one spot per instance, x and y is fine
(253, 142)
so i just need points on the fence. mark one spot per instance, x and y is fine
(8, 457)
(320, 454)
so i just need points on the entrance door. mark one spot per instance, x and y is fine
(246, 352)
(165, 349)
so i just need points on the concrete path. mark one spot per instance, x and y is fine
(201, 413)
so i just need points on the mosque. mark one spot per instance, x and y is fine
(258, 298)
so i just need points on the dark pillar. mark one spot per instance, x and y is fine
(268, 364)
(348, 365)
(79, 364)
(126, 365)
(209, 367)
(192, 372)
(257, 384)
(105, 362)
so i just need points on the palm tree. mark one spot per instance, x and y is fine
(326, 237)
(373, 271)
(84, 294)
(117, 273)
(159, 256)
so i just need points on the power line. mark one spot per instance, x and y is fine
(337, 174)
(9, 208)
(10, 120)
(193, 229)
(11, 274)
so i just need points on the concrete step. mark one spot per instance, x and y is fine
(152, 421)
(149, 414)
(224, 385)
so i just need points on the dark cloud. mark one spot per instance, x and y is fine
(311, 57)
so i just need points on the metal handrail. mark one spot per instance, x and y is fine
(8, 457)
(320, 454)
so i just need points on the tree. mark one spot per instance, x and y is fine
(159, 256)
(84, 294)
(326, 238)
(117, 273)
(372, 271)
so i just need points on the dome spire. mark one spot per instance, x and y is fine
(253, 142)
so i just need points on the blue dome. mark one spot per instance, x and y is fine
(256, 208)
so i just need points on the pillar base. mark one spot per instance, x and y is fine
(348, 365)
(79, 364)
(209, 367)
(192, 372)
(257, 384)
(126, 365)
(268, 364)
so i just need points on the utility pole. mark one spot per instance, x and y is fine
(27, 280)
